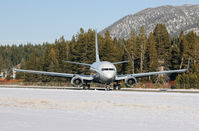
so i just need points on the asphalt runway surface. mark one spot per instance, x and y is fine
(103, 89)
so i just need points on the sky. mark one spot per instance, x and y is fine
(38, 21)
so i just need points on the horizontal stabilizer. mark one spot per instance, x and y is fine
(120, 62)
(77, 63)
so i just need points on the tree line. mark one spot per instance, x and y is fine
(145, 53)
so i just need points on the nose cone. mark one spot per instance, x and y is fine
(109, 75)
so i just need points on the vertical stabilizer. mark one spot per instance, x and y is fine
(96, 48)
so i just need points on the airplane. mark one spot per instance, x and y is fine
(103, 72)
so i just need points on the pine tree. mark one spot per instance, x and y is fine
(122, 67)
(175, 59)
(31, 65)
(118, 54)
(90, 41)
(73, 56)
(53, 61)
(142, 41)
(1, 63)
(184, 49)
(131, 50)
(163, 43)
(193, 41)
(107, 48)
(152, 58)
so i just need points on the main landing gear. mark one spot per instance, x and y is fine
(86, 86)
(116, 86)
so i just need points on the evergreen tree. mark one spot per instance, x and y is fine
(122, 67)
(163, 43)
(118, 54)
(131, 50)
(142, 41)
(184, 49)
(1, 63)
(151, 55)
(193, 41)
(175, 55)
(107, 48)
(31, 65)
(53, 61)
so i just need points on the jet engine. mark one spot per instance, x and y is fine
(130, 81)
(77, 81)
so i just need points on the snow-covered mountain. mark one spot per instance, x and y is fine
(176, 19)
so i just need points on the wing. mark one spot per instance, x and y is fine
(84, 77)
(158, 73)
(121, 77)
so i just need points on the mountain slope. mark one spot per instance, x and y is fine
(176, 19)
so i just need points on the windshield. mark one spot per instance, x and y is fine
(108, 69)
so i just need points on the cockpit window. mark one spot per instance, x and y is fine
(108, 69)
(104, 69)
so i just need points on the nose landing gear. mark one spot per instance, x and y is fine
(107, 88)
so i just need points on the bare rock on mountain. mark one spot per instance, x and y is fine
(176, 19)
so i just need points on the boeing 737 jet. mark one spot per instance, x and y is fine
(104, 72)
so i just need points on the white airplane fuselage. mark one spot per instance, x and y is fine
(105, 72)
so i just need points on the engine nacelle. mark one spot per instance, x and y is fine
(77, 81)
(130, 81)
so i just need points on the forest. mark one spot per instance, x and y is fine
(146, 53)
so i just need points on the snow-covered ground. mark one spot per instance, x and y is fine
(80, 110)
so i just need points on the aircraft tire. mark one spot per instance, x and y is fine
(86, 87)
(119, 87)
(114, 86)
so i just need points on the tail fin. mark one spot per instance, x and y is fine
(96, 48)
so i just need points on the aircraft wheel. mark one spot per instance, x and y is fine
(107, 88)
(119, 87)
(114, 86)
(88, 86)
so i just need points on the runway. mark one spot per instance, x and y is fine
(87, 110)
(102, 89)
